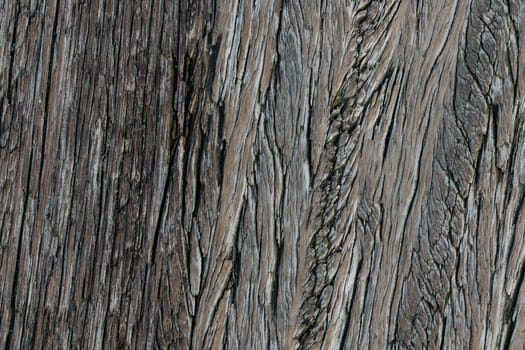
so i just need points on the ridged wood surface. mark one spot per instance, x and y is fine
(266, 174)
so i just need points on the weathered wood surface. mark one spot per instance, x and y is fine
(262, 174)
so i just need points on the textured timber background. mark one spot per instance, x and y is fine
(264, 174)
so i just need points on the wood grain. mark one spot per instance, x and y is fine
(272, 174)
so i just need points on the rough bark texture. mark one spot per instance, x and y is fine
(262, 174)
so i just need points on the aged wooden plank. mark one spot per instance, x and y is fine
(266, 174)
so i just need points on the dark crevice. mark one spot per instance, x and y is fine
(236, 270)
(212, 62)
(162, 206)
(276, 279)
(198, 299)
(392, 120)
(226, 343)
(443, 331)
(387, 137)
(222, 158)
(479, 159)
(308, 138)
(199, 186)
(495, 121)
